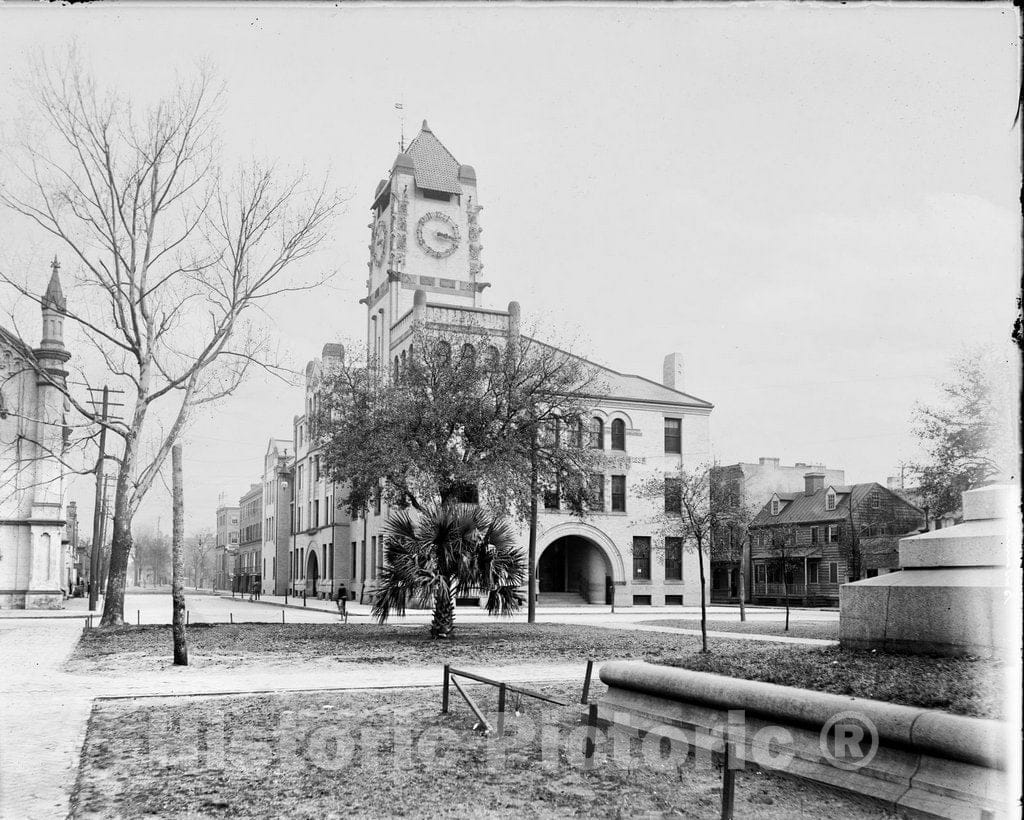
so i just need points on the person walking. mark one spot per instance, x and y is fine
(343, 603)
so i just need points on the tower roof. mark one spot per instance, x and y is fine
(54, 295)
(435, 167)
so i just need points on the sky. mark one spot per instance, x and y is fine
(817, 205)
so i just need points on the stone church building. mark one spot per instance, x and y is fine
(425, 270)
(35, 563)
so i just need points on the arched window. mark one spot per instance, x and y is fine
(492, 357)
(403, 363)
(397, 371)
(443, 351)
(597, 433)
(830, 499)
(468, 353)
(618, 434)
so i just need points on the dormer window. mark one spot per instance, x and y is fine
(776, 504)
(830, 499)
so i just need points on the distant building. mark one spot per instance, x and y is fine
(35, 560)
(916, 497)
(278, 467)
(226, 546)
(749, 484)
(322, 556)
(806, 545)
(250, 540)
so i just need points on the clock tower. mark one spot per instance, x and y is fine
(425, 235)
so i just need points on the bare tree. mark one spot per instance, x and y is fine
(689, 515)
(198, 553)
(175, 259)
(782, 545)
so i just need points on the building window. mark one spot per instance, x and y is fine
(830, 499)
(759, 573)
(673, 435)
(812, 572)
(814, 535)
(833, 572)
(597, 492)
(618, 493)
(597, 433)
(618, 434)
(551, 497)
(491, 358)
(673, 559)
(775, 506)
(831, 533)
(315, 520)
(376, 501)
(673, 495)
(642, 557)
(876, 501)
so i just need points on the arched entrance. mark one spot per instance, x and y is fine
(312, 573)
(575, 564)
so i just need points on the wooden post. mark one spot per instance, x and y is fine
(138, 617)
(282, 616)
(501, 710)
(231, 615)
(586, 682)
(444, 691)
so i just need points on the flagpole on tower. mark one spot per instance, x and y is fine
(401, 143)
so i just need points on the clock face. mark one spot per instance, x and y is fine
(380, 240)
(437, 234)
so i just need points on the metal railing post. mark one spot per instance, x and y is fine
(590, 744)
(501, 710)
(586, 682)
(444, 692)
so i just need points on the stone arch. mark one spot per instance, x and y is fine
(582, 530)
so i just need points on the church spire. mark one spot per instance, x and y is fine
(54, 294)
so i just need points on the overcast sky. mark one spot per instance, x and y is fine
(816, 205)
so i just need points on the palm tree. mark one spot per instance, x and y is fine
(435, 555)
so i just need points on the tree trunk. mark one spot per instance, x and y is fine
(178, 559)
(531, 553)
(703, 601)
(120, 547)
(443, 623)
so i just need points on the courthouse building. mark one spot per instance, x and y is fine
(425, 270)
(36, 564)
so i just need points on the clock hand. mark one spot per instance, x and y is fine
(442, 235)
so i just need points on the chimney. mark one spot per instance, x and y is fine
(672, 371)
(768, 462)
(893, 482)
(813, 482)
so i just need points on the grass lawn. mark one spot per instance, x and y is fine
(382, 754)
(961, 685)
(826, 630)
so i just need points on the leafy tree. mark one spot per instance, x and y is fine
(970, 437)
(470, 417)
(444, 551)
(175, 259)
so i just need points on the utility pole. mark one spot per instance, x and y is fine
(98, 507)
